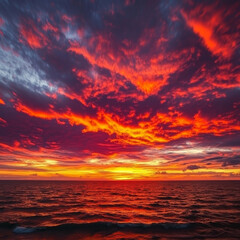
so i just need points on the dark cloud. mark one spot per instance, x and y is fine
(192, 167)
(231, 161)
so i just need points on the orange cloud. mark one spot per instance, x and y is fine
(103, 122)
(147, 132)
(1, 101)
(148, 75)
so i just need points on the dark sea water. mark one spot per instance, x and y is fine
(119, 210)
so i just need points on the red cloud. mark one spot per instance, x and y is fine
(123, 100)
(31, 34)
(1, 21)
(208, 23)
(149, 74)
(148, 131)
(49, 27)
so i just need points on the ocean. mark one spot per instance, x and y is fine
(119, 210)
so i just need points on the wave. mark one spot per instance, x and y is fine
(114, 205)
(25, 229)
(123, 227)
(168, 198)
(102, 226)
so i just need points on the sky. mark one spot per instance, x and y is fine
(119, 90)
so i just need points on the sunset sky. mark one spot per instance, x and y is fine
(118, 90)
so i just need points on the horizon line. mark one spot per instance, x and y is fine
(127, 180)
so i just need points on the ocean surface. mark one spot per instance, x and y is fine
(119, 210)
